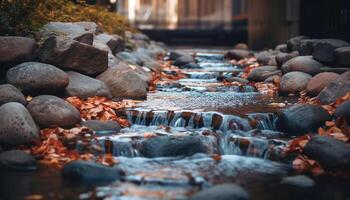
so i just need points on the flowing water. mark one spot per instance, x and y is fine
(190, 122)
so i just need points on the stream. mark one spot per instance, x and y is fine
(187, 136)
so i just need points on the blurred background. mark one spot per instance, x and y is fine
(260, 23)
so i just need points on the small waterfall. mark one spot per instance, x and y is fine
(159, 118)
(263, 121)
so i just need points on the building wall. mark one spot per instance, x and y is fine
(271, 22)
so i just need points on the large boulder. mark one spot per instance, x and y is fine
(294, 82)
(165, 146)
(88, 171)
(37, 78)
(282, 58)
(238, 54)
(319, 82)
(84, 86)
(335, 89)
(69, 54)
(15, 50)
(343, 110)
(115, 42)
(302, 64)
(342, 56)
(329, 152)
(17, 125)
(125, 82)
(306, 47)
(9, 93)
(17, 160)
(76, 31)
(222, 192)
(262, 73)
(50, 111)
(293, 44)
(301, 119)
(324, 49)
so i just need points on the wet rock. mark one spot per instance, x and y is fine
(9, 93)
(282, 58)
(191, 65)
(84, 86)
(338, 70)
(343, 110)
(306, 47)
(184, 60)
(242, 46)
(237, 79)
(302, 64)
(281, 48)
(298, 181)
(155, 50)
(172, 146)
(173, 55)
(261, 73)
(319, 82)
(69, 54)
(17, 160)
(335, 89)
(50, 111)
(222, 192)
(67, 29)
(324, 49)
(293, 44)
(89, 171)
(17, 125)
(102, 126)
(15, 50)
(294, 82)
(276, 79)
(237, 54)
(37, 78)
(302, 119)
(130, 58)
(343, 56)
(264, 57)
(331, 153)
(118, 81)
(115, 42)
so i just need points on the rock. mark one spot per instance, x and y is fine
(264, 57)
(102, 126)
(299, 181)
(222, 192)
(9, 93)
(343, 110)
(261, 73)
(335, 89)
(129, 58)
(84, 86)
(342, 56)
(319, 82)
(140, 36)
(50, 112)
(302, 64)
(272, 61)
(324, 49)
(114, 42)
(237, 79)
(68, 29)
(281, 48)
(173, 55)
(337, 70)
(17, 125)
(241, 46)
(15, 50)
(237, 54)
(90, 26)
(72, 55)
(89, 171)
(118, 81)
(17, 160)
(294, 82)
(331, 153)
(301, 119)
(306, 47)
(155, 50)
(37, 78)
(282, 58)
(166, 146)
(293, 44)
(276, 79)
(184, 60)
